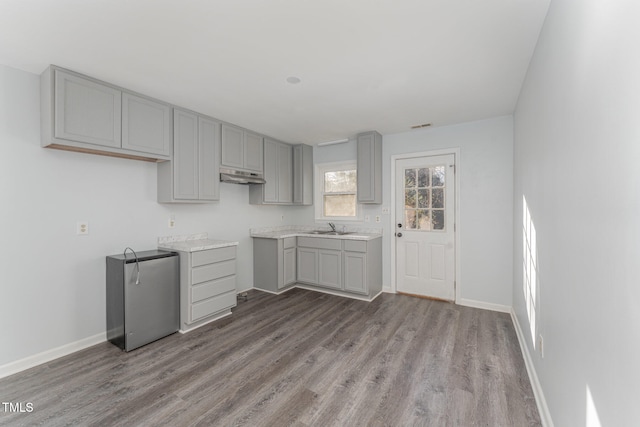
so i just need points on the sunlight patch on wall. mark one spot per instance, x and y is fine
(593, 419)
(529, 268)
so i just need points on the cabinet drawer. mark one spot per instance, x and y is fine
(320, 243)
(212, 288)
(212, 255)
(212, 305)
(355, 245)
(289, 242)
(213, 271)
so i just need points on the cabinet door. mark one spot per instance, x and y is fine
(145, 125)
(370, 168)
(252, 151)
(285, 170)
(329, 268)
(289, 261)
(355, 272)
(209, 161)
(232, 147)
(365, 170)
(271, 174)
(307, 265)
(185, 155)
(302, 175)
(86, 111)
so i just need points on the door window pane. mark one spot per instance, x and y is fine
(437, 198)
(438, 176)
(410, 219)
(423, 198)
(423, 177)
(410, 199)
(424, 219)
(438, 219)
(409, 178)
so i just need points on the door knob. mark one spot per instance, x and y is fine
(399, 234)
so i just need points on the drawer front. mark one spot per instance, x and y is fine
(212, 288)
(355, 245)
(289, 242)
(213, 271)
(320, 243)
(212, 305)
(212, 255)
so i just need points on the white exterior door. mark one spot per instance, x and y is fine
(425, 238)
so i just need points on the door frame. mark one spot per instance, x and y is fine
(458, 227)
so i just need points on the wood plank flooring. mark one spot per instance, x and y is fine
(301, 358)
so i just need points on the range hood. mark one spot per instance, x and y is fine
(240, 177)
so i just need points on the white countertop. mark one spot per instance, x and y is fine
(296, 231)
(192, 243)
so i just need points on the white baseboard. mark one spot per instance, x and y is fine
(245, 290)
(49, 355)
(484, 305)
(543, 409)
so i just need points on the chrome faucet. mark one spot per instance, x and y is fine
(333, 226)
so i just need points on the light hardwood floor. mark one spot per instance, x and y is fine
(301, 358)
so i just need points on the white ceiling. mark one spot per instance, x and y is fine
(364, 64)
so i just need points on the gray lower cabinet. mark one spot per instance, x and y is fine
(241, 149)
(302, 174)
(193, 174)
(207, 286)
(277, 171)
(274, 263)
(346, 266)
(82, 114)
(369, 167)
(354, 260)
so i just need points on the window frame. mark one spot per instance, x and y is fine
(319, 170)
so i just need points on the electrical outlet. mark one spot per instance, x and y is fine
(541, 346)
(172, 221)
(82, 228)
(377, 218)
(385, 210)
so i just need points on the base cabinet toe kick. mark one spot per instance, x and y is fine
(345, 267)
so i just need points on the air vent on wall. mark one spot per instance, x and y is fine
(425, 125)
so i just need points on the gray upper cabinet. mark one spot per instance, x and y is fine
(146, 125)
(302, 174)
(253, 151)
(208, 159)
(86, 111)
(278, 169)
(193, 174)
(79, 113)
(241, 149)
(370, 167)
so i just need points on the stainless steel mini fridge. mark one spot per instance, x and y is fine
(143, 298)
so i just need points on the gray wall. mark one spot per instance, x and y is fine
(53, 281)
(576, 163)
(485, 170)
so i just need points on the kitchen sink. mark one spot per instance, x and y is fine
(331, 233)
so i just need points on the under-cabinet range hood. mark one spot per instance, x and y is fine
(240, 177)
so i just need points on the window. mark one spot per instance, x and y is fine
(336, 192)
(424, 198)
